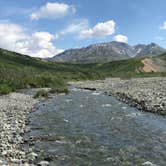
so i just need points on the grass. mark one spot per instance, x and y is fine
(21, 71)
(61, 89)
(163, 56)
(45, 93)
(5, 89)
(41, 93)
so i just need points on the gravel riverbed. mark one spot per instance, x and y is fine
(147, 94)
(14, 109)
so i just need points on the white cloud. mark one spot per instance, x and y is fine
(76, 27)
(99, 30)
(38, 44)
(53, 11)
(121, 38)
(10, 34)
(163, 26)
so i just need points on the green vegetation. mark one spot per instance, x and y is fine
(126, 69)
(122, 68)
(45, 92)
(41, 93)
(162, 56)
(20, 71)
(59, 89)
(5, 89)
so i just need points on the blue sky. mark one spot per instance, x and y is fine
(44, 28)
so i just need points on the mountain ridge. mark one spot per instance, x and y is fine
(108, 51)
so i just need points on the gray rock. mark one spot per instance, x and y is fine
(43, 163)
(148, 163)
(14, 109)
(146, 94)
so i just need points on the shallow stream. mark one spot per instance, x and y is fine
(88, 128)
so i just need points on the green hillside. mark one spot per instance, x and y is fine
(125, 69)
(162, 56)
(21, 71)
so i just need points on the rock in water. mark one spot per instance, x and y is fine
(43, 163)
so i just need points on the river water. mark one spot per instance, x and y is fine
(88, 128)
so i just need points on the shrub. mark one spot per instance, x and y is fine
(41, 93)
(59, 90)
(5, 89)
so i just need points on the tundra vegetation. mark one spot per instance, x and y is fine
(20, 71)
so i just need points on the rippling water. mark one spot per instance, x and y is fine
(88, 128)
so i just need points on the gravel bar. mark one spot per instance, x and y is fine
(14, 109)
(147, 94)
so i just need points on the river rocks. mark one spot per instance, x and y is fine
(1, 162)
(32, 156)
(148, 94)
(148, 163)
(43, 163)
(14, 109)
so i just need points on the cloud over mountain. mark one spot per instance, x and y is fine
(121, 38)
(99, 30)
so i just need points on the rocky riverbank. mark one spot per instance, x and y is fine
(147, 94)
(14, 109)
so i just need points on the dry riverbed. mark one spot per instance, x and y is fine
(147, 94)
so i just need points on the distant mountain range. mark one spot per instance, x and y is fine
(106, 52)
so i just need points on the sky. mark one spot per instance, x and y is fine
(44, 28)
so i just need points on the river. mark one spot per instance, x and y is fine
(88, 128)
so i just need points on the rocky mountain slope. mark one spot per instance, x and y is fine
(149, 50)
(106, 52)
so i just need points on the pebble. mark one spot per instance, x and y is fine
(32, 155)
(147, 94)
(14, 109)
(148, 163)
(43, 163)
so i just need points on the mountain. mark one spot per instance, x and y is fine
(106, 52)
(21, 71)
(149, 50)
(103, 52)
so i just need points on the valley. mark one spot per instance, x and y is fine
(82, 83)
(42, 106)
(19, 71)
